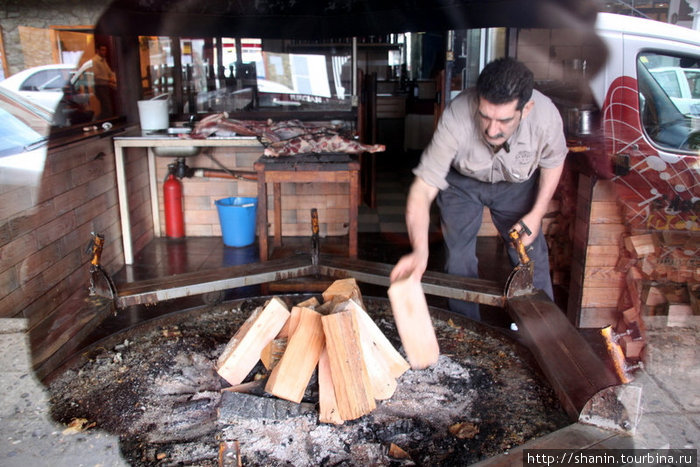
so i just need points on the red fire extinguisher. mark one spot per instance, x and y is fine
(174, 213)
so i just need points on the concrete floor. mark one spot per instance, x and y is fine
(29, 436)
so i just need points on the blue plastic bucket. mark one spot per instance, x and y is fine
(237, 217)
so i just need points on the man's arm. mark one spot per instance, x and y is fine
(420, 198)
(549, 180)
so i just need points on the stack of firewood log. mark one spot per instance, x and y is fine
(357, 365)
(663, 288)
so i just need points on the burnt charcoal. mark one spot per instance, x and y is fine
(198, 453)
(192, 404)
(181, 429)
(236, 405)
(405, 432)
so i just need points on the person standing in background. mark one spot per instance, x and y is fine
(105, 81)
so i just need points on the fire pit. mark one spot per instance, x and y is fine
(156, 387)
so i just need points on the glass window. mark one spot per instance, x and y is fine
(693, 77)
(669, 99)
(241, 74)
(668, 79)
(46, 80)
(15, 135)
(74, 78)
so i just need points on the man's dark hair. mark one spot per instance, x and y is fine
(504, 80)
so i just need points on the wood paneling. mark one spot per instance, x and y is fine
(43, 266)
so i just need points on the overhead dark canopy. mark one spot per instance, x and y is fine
(322, 19)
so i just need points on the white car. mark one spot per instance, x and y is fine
(56, 88)
(682, 85)
(42, 85)
(24, 136)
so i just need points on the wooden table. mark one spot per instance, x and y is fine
(304, 168)
(141, 140)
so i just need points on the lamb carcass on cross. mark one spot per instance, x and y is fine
(284, 138)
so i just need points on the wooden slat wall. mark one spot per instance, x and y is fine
(595, 283)
(44, 270)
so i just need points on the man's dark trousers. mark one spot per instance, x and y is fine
(461, 207)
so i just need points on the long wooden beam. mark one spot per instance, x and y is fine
(434, 283)
(193, 283)
(200, 282)
(574, 370)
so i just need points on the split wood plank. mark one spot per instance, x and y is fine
(605, 212)
(380, 376)
(353, 390)
(395, 363)
(342, 290)
(600, 297)
(291, 324)
(597, 317)
(603, 277)
(603, 255)
(291, 375)
(679, 314)
(632, 348)
(243, 350)
(630, 315)
(273, 351)
(605, 234)
(256, 387)
(309, 303)
(413, 322)
(640, 245)
(634, 287)
(327, 404)
(653, 295)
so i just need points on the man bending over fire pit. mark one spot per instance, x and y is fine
(499, 145)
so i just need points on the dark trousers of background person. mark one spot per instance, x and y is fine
(104, 95)
(461, 208)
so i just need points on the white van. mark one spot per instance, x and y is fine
(651, 133)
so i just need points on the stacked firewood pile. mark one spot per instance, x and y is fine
(558, 225)
(663, 285)
(357, 365)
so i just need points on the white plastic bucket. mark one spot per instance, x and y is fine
(153, 114)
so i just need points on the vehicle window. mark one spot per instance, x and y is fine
(693, 78)
(669, 100)
(668, 81)
(45, 80)
(15, 135)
